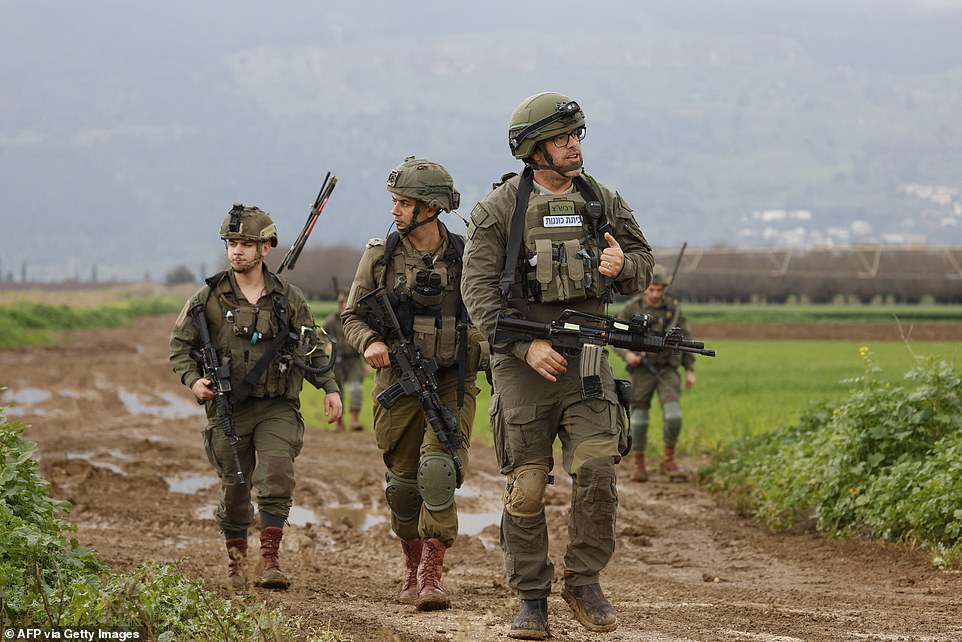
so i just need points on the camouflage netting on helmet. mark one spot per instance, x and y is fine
(541, 117)
(248, 223)
(425, 181)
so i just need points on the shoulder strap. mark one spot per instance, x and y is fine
(390, 244)
(515, 236)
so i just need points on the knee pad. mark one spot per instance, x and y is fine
(672, 427)
(638, 424)
(437, 479)
(524, 493)
(639, 418)
(403, 497)
(355, 391)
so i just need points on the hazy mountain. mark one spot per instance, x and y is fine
(127, 129)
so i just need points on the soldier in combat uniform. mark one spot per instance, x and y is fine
(578, 241)
(247, 308)
(420, 267)
(349, 368)
(657, 372)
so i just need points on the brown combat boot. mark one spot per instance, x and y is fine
(431, 595)
(237, 566)
(669, 467)
(640, 473)
(272, 578)
(356, 420)
(412, 559)
(591, 607)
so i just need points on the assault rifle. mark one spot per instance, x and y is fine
(573, 329)
(418, 377)
(295, 251)
(219, 376)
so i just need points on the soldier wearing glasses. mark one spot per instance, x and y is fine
(550, 239)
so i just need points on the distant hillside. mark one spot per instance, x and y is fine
(129, 129)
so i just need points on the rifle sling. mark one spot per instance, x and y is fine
(516, 235)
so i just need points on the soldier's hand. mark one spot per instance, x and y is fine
(202, 389)
(333, 407)
(689, 379)
(545, 360)
(633, 358)
(378, 355)
(612, 258)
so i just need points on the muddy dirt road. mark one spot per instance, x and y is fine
(120, 438)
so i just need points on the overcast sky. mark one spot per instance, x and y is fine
(128, 128)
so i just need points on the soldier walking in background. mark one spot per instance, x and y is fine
(249, 314)
(550, 239)
(419, 267)
(657, 372)
(349, 367)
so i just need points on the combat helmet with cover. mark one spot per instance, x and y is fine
(541, 117)
(659, 275)
(425, 181)
(248, 223)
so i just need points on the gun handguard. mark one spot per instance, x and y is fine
(574, 329)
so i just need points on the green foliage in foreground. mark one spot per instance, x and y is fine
(48, 580)
(27, 323)
(884, 462)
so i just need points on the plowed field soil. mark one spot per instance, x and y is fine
(120, 439)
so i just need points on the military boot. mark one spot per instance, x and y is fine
(669, 467)
(591, 607)
(237, 566)
(431, 595)
(412, 560)
(532, 621)
(356, 420)
(272, 578)
(640, 473)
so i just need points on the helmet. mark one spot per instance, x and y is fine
(659, 275)
(425, 181)
(539, 118)
(248, 224)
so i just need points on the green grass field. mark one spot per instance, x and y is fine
(750, 387)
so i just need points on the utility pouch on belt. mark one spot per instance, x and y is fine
(623, 390)
(591, 356)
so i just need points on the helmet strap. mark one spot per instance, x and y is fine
(415, 223)
(560, 169)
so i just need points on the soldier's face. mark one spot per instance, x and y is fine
(403, 210)
(561, 151)
(244, 256)
(655, 294)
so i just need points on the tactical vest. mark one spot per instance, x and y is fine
(427, 294)
(561, 254)
(244, 333)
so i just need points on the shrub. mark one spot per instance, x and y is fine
(48, 580)
(885, 462)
